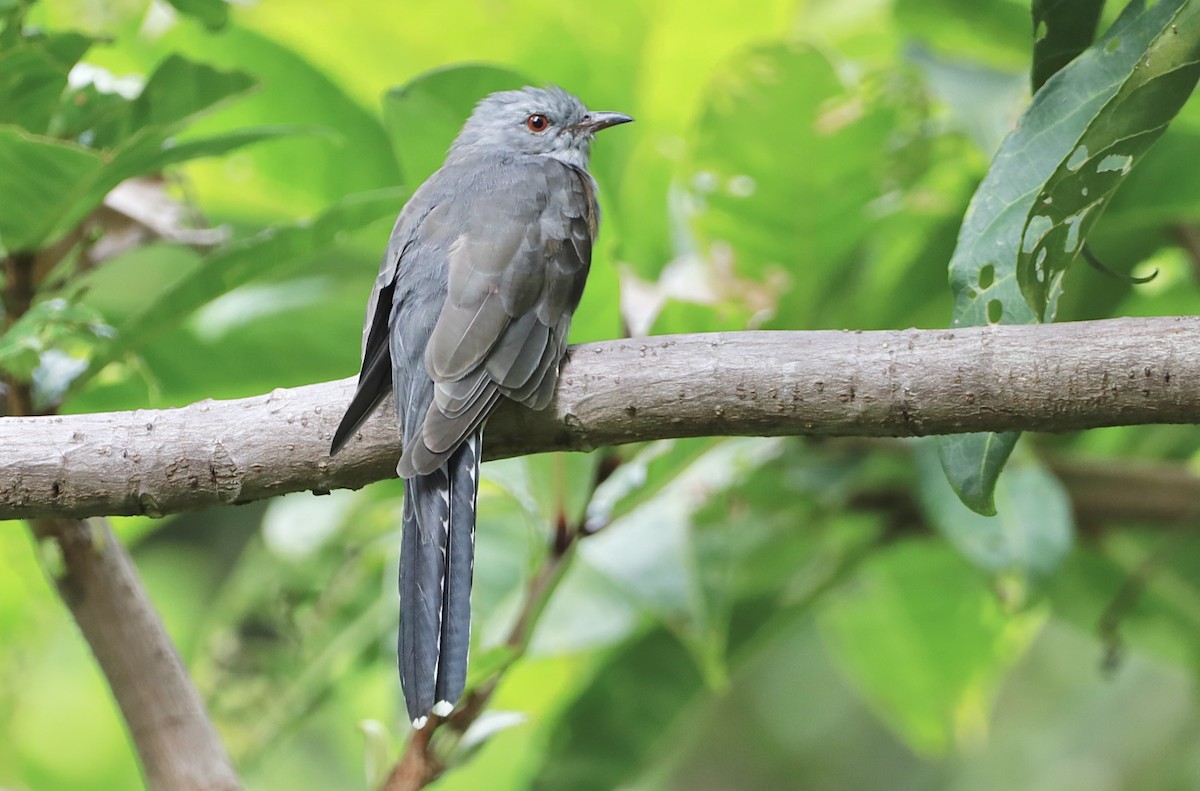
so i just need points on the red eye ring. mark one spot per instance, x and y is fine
(537, 123)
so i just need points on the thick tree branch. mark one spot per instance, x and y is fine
(1055, 377)
(177, 744)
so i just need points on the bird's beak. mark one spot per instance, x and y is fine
(595, 121)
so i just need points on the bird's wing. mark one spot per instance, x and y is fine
(375, 377)
(516, 274)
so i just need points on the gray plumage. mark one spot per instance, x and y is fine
(483, 271)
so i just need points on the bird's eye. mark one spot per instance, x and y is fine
(537, 122)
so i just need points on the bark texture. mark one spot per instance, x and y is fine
(1056, 377)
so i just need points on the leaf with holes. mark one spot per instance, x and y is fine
(1061, 30)
(1162, 77)
(1050, 181)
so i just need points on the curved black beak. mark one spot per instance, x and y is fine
(595, 121)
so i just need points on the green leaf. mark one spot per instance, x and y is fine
(1061, 30)
(783, 200)
(626, 715)
(995, 32)
(30, 85)
(181, 89)
(268, 185)
(47, 325)
(423, 116)
(92, 117)
(40, 180)
(1154, 80)
(218, 145)
(925, 643)
(53, 185)
(984, 269)
(213, 14)
(33, 77)
(1049, 183)
(972, 463)
(272, 251)
(1031, 533)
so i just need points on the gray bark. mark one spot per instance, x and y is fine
(175, 740)
(1057, 377)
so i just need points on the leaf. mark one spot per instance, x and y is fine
(51, 185)
(217, 145)
(1049, 183)
(621, 721)
(39, 179)
(627, 710)
(30, 85)
(995, 32)
(783, 201)
(33, 76)
(423, 116)
(48, 324)
(925, 643)
(1158, 82)
(972, 463)
(377, 752)
(1061, 30)
(1029, 537)
(271, 251)
(268, 185)
(180, 89)
(213, 14)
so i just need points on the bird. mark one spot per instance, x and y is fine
(482, 274)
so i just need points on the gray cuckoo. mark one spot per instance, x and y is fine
(484, 268)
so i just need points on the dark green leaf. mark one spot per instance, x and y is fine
(1152, 88)
(1049, 183)
(213, 14)
(52, 186)
(624, 716)
(423, 116)
(302, 175)
(972, 463)
(1061, 30)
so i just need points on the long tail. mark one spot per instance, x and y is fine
(436, 562)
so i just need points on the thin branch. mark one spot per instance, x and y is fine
(175, 741)
(1057, 377)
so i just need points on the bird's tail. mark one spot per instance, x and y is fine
(436, 562)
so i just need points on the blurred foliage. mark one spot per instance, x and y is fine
(749, 613)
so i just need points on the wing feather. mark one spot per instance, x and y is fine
(517, 268)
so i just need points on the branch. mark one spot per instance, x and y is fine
(175, 741)
(1056, 377)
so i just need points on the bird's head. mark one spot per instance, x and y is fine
(538, 121)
